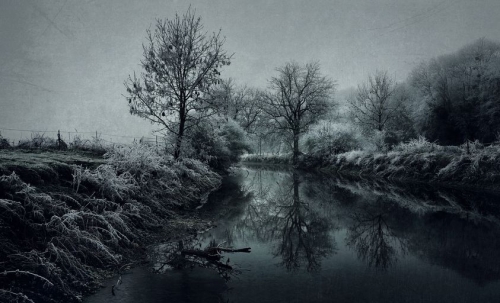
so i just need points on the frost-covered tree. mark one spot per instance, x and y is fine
(377, 102)
(296, 99)
(239, 103)
(181, 65)
(461, 93)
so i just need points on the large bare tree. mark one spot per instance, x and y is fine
(376, 102)
(297, 98)
(181, 64)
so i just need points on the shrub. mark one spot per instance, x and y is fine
(38, 141)
(4, 143)
(419, 145)
(327, 138)
(218, 143)
(95, 145)
(160, 176)
(111, 184)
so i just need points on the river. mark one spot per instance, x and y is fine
(317, 238)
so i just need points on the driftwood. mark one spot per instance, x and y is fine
(212, 252)
(209, 257)
(245, 250)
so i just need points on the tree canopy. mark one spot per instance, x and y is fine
(181, 65)
(296, 99)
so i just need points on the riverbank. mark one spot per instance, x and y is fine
(421, 162)
(362, 231)
(71, 218)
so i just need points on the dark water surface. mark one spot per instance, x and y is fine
(328, 239)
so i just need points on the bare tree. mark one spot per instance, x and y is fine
(240, 103)
(298, 97)
(181, 64)
(376, 103)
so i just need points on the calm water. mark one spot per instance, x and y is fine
(325, 239)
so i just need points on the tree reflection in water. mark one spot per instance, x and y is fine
(372, 237)
(300, 233)
(304, 233)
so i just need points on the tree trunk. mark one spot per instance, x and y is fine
(180, 134)
(295, 146)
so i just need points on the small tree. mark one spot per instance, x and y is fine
(298, 97)
(181, 64)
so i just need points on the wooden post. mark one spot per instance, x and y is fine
(58, 139)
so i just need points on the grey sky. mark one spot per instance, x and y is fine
(63, 62)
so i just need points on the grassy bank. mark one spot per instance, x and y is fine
(418, 160)
(69, 218)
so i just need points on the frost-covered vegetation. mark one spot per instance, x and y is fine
(268, 158)
(42, 141)
(218, 143)
(441, 125)
(327, 138)
(419, 160)
(62, 230)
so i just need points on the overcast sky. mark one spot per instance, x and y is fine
(63, 62)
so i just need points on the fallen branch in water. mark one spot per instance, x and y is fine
(245, 250)
(209, 257)
(212, 253)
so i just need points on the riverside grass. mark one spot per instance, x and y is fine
(68, 217)
(417, 160)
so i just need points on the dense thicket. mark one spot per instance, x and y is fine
(459, 94)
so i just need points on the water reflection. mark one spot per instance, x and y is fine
(299, 233)
(302, 234)
(298, 217)
(372, 236)
(458, 230)
(338, 239)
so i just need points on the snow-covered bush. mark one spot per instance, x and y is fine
(160, 176)
(219, 143)
(419, 145)
(328, 138)
(472, 146)
(110, 183)
(236, 140)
